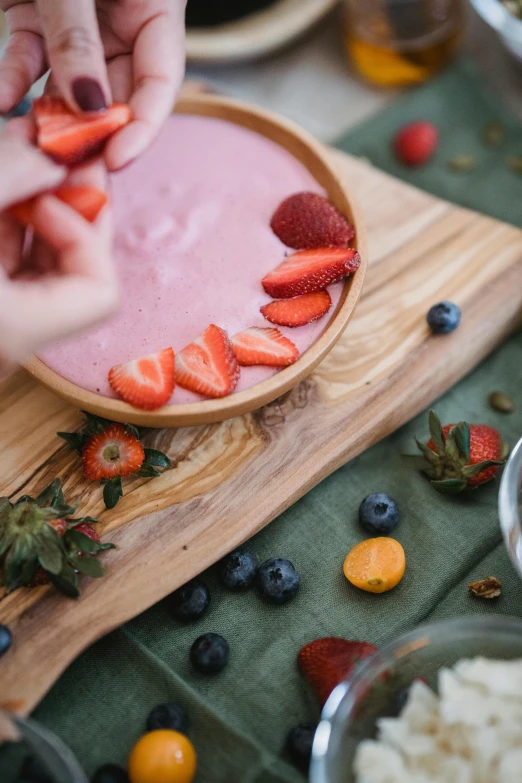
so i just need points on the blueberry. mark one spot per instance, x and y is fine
(6, 639)
(277, 580)
(110, 773)
(191, 601)
(299, 744)
(23, 108)
(168, 716)
(209, 653)
(33, 771)
(238, 570)
(443, 317)
(378, 514)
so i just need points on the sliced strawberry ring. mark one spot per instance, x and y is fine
(298, 311)
(208, 365)
(146, 383)
(310, 270)
(113, 452)
(265, 346)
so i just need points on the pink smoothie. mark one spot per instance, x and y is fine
(192, 242)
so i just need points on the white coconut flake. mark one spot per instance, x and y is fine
(470, 733)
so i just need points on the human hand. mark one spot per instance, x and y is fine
(128, 51)
(65, 280)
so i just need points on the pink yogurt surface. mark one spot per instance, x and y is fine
(192, 242)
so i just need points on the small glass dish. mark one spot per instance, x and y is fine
(510, 506)
(21, 737)
(508, 27)
(350, 713)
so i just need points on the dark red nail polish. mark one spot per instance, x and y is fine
(88, 94)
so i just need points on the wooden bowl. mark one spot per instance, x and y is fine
(317, 160)
(257, 34)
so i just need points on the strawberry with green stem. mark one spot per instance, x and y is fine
(460, 455)
(40, 542)
(110, 452)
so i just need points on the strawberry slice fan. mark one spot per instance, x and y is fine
(209, 366)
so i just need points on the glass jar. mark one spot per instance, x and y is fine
(402, 42)
(350, 715)
(21, 737)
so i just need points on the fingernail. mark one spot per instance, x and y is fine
(88, 94)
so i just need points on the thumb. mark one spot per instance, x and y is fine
(24, 172)
(75, 52)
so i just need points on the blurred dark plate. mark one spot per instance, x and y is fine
(255, 35)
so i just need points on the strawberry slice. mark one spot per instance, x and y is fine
(113, 452)
(264, 346)
(208, 366)
(71, 138)
(299, 311)
(87, 201)
(326, 662)
(146, 383)
(310, 270)
(307, 220)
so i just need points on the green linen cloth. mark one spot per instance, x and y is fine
(240, 717)
(460, 105)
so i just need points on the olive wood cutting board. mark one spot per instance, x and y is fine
(231, 479)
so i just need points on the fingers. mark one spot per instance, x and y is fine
(38, 312)
(24, 172)
(82, 291)
(22, 64)
(158, 67)
(21, 129)
(11, 243)
(80, 247)
(42, 258)
(120, 78)
(75, 52)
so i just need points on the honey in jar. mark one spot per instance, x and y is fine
(402, 42)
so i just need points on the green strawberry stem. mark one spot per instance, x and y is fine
(446, 465)
(29, 543)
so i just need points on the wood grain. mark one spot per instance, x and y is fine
(384, 370)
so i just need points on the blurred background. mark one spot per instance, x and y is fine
(323, 63)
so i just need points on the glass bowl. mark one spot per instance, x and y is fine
(24, 737)
(350, 713)
(508, 27)
(510, 506)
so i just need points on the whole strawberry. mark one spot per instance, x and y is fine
(307, 220)
(460, 455)
(416, 143)
(41, 543)
(40, 576)
(327, 662)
